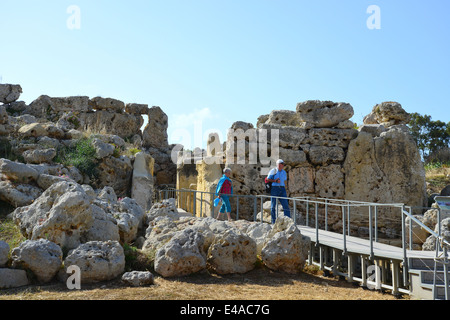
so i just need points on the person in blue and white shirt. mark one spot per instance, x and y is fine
(278, 176)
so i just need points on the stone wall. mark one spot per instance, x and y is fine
(36, 134)
(328, 157)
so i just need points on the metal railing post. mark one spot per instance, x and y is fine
(348, 217)
(307, 211)
(316, 214)
(370, 233)
(255, 208)
(194, 204)
(262, 209)
(405, 259)
(343, 231)
(295, 213)
(326, 215)
(376, 223)
(237, 207)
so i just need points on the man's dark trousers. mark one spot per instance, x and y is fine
(279, 192)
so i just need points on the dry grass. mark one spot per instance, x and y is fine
(437, 179)
(259, 284)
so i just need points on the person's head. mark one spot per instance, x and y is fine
(280, 164)
(227, 172)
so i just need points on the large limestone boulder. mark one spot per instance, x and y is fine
(283, 117)
(17, 171)
(232, 252)
(142, 184)
(182, 255)
(138, 278)
(108, 104)
(130, 218)
(324, 114)
(3, 115)
(385, 169)
(42, 257)
(39, 155)
(419, 234)
(66, 215)
(102, 149)
(54, 107)
(4, 253)
(9, 92)
(98, 261)
(123, 125)
(61, 214)
(18, 195)
(285, 248)
(116, 173)
(388, 114)
(13, 278)
(155, 133)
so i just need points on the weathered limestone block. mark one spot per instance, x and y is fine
(122, 124)
(17, 171)
(4, 253)
(13, 278)
(142, 180)
(39, 155)
(9, 92)
(288, 136)
(324, 114)
(419, 235)
(331, 137)
(385, 169)
(61, 214)
(232, 252)
(116, 173)
(102, 149)
(33, 130)
(388, 114)
(182, 255)
(324, 155)
(3, 115)
(207, 179)
(97, 260)
(136, 108)
(42, 257)
(155, 133)
(108, 104)
(285, 248)
(284, 117)
(54, 107)
(293, 157)
(138, 278)
(330, 182)
(301, 180)
(18, 195)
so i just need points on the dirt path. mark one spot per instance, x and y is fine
(259, 284)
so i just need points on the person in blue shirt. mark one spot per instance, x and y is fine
(278, 177)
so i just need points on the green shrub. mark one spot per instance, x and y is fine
(81, 155)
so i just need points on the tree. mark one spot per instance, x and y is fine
(429, 135)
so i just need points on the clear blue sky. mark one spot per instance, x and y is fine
(221, 61)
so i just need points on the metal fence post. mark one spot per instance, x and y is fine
(370, 233)
(343, 231)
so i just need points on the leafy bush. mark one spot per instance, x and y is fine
(81, 155)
